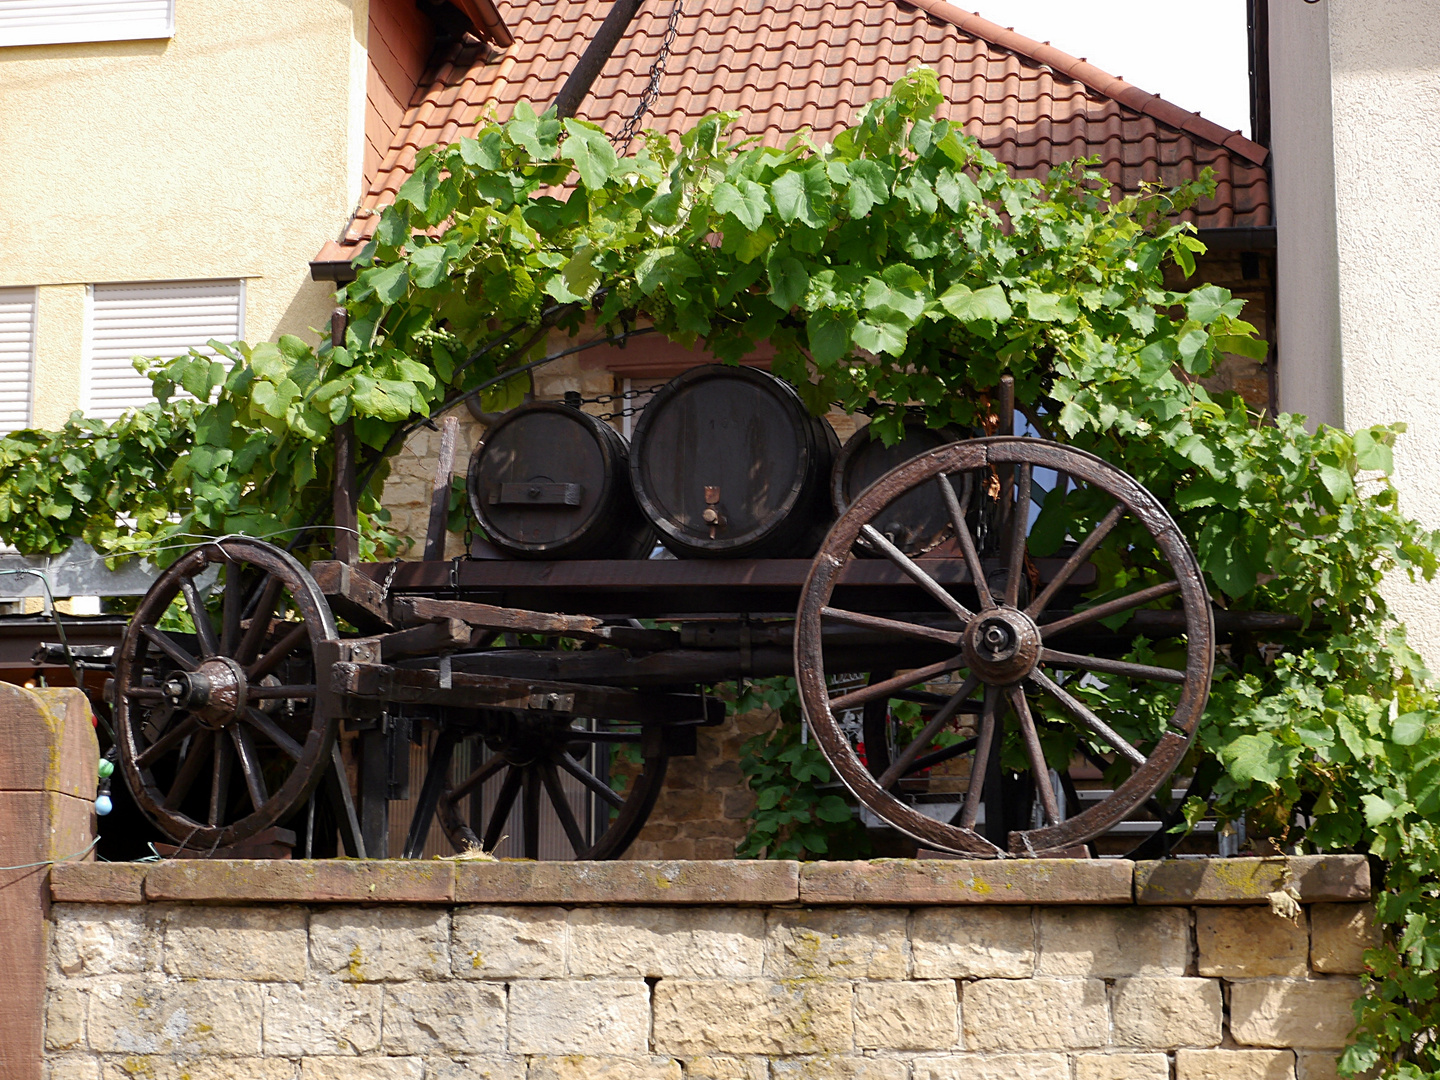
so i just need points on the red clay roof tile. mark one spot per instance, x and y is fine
(783, 64)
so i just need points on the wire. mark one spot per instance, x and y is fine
(52, 862)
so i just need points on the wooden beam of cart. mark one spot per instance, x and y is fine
(427, 686)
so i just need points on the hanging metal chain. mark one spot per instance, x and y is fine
(652, 89)
(575, 401)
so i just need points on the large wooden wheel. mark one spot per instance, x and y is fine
(1011, 666)
(542, 775)
(221, 727)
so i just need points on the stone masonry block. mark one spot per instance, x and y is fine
(1248, 881)
(1249, 942)
(733, 881)
(967, 881)
(1294, 1013)
(992, 1067)
(490, 1068)
(143, 1015)
(973, 942)
(348, 1068)
(723, 1067)
(65, 1017)
(698, 943)
(1167, 1013)
(753, 1017)
(98, 882)
(601, 1016)
(1339, 936)
(102, 939)
(209, 942)
(1113, 941)
(504, 942)
(374, 944)
(579, 1067)
(321, 1018)
(1318, 1065)
(848, 943)
(1034, 1014)
(76, 1067)
(831, 1067)
(1234, 1064)
(298, 881)
(443, 1018)
(920, 1015)
(1122, 1066)
(146, 1067)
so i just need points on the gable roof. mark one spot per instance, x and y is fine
(787, 64)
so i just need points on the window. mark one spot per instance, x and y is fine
(49, 22)
(162, 318)
(17, 357)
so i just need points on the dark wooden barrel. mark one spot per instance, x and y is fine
(551, 482)
(728, 462)
(916, 522)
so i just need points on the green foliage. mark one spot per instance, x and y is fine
(900, 264)
(798, 814)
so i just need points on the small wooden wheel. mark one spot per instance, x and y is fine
(540, 764)
(222, 729)
(1013, 656)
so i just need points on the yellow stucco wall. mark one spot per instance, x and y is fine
(231, 150)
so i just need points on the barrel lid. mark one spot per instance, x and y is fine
(732, 440)
(917, 520)
(542, 476)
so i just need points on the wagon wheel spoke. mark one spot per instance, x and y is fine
(287, 644)
(957, 508)
(204, 628)
(196, 759)
(503, 803)
(915, 573)
(259, 620)
(250, 765)
(166, 742)
(530, 811)
(274, 732)
(224, 759)
(1033, 750)
(1110, 607)
(1078, 559)
(899, 682)
(893, 626)
(476, 778)
(1080, 712)
(902, 763)
(591, 781)
(166, 644)
(285, 690)
(1056, 658)
(1019, 523)
(989, 721)
(232, 602)
(551, 777)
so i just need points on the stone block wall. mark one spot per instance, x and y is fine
(950, 971)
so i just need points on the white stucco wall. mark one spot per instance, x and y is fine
(1377, 292)
(231, 150)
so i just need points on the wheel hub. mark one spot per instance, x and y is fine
(1002, 646)
(214, 692)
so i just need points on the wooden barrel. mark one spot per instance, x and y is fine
(551, 482)
(916, 522)
(728, 462)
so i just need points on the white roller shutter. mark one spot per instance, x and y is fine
(48, 22)
(17, 357)
(164, 319)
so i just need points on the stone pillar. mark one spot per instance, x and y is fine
(48, 759)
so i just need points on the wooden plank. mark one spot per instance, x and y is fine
(352, 595)
(441, 636)
(516, 620)
(440, 489)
